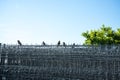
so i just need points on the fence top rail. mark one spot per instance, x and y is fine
(79, 46)
(92, 47)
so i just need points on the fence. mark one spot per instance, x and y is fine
(52, 62)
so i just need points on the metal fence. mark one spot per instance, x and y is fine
(52, 62)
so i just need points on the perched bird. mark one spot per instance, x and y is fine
(4, 45)
(19, 42)
(43, 43)
(73, 45)
(64, 44)
(58, 44)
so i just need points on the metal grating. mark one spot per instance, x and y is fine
(52, 62)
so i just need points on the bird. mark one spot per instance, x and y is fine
(19, 42)
(73, 45)
(43, 43)
(64, 44)
(4, 45)
(58, 44)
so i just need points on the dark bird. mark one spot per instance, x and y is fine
(73, 45)
(19, 42)
(43, 43)
(4, 45)
(64, 44)
(58, 44)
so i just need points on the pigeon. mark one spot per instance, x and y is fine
(58, 44)
(64, 44)
(19, 42)
(43, 43)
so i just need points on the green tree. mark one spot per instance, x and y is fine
(104, 35)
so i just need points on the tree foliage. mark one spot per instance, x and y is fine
(104, 35)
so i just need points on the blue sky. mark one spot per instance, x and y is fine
(34, 21)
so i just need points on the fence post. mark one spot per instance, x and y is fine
(3, 55)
